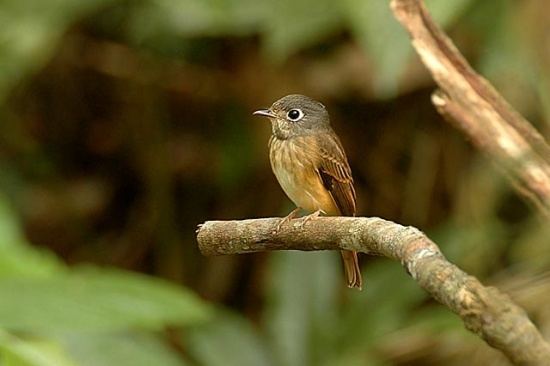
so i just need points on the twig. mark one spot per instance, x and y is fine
(473, 106)
(484, 310)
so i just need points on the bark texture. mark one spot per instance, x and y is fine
(485, 310)
(472, 105)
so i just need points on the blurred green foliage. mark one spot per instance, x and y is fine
(49, 311)
(124, 124)
(31, 29)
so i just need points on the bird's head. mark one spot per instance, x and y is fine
(296, 115)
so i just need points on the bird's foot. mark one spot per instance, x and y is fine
(304, 220)
(286, 219)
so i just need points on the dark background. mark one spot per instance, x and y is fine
(125, 124)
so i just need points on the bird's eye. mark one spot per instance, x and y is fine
(295, 115)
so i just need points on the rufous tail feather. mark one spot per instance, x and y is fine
(351, 267)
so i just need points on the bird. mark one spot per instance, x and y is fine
(311, 166)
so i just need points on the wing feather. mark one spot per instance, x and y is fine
(335, 173)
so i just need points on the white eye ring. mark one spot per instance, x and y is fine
(295, 115)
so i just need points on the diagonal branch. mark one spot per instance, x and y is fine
(473, 106)
(484, 310)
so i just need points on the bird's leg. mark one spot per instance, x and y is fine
(287, 218)
(306, 218)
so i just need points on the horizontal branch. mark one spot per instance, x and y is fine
(472, 105)
(484, 310)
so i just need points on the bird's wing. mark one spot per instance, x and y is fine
(334, 171)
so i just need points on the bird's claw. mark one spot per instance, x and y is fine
(304, 220)
(286, 219)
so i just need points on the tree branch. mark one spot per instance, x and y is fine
(472, 105)
(484, 310)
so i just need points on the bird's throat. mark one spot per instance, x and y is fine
(281, 130)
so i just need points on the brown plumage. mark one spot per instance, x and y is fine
(336, 175)
(310, 164)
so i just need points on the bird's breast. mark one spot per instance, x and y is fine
(294, 163)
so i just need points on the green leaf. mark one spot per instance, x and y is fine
(292, 25)
(301, 312)
(386, 41)
(505, 60)
(24, 261)
(10, 232)
(159, 20)
(167, 26)
(445, 13)
(29, 32)
(15, 351)
(226, 340)
(96, 300)
(131, 349)
(17, 257)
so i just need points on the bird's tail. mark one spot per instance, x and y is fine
(351, 267)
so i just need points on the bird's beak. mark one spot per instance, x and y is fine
(264, 113)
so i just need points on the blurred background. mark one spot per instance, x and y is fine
(125, 124)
